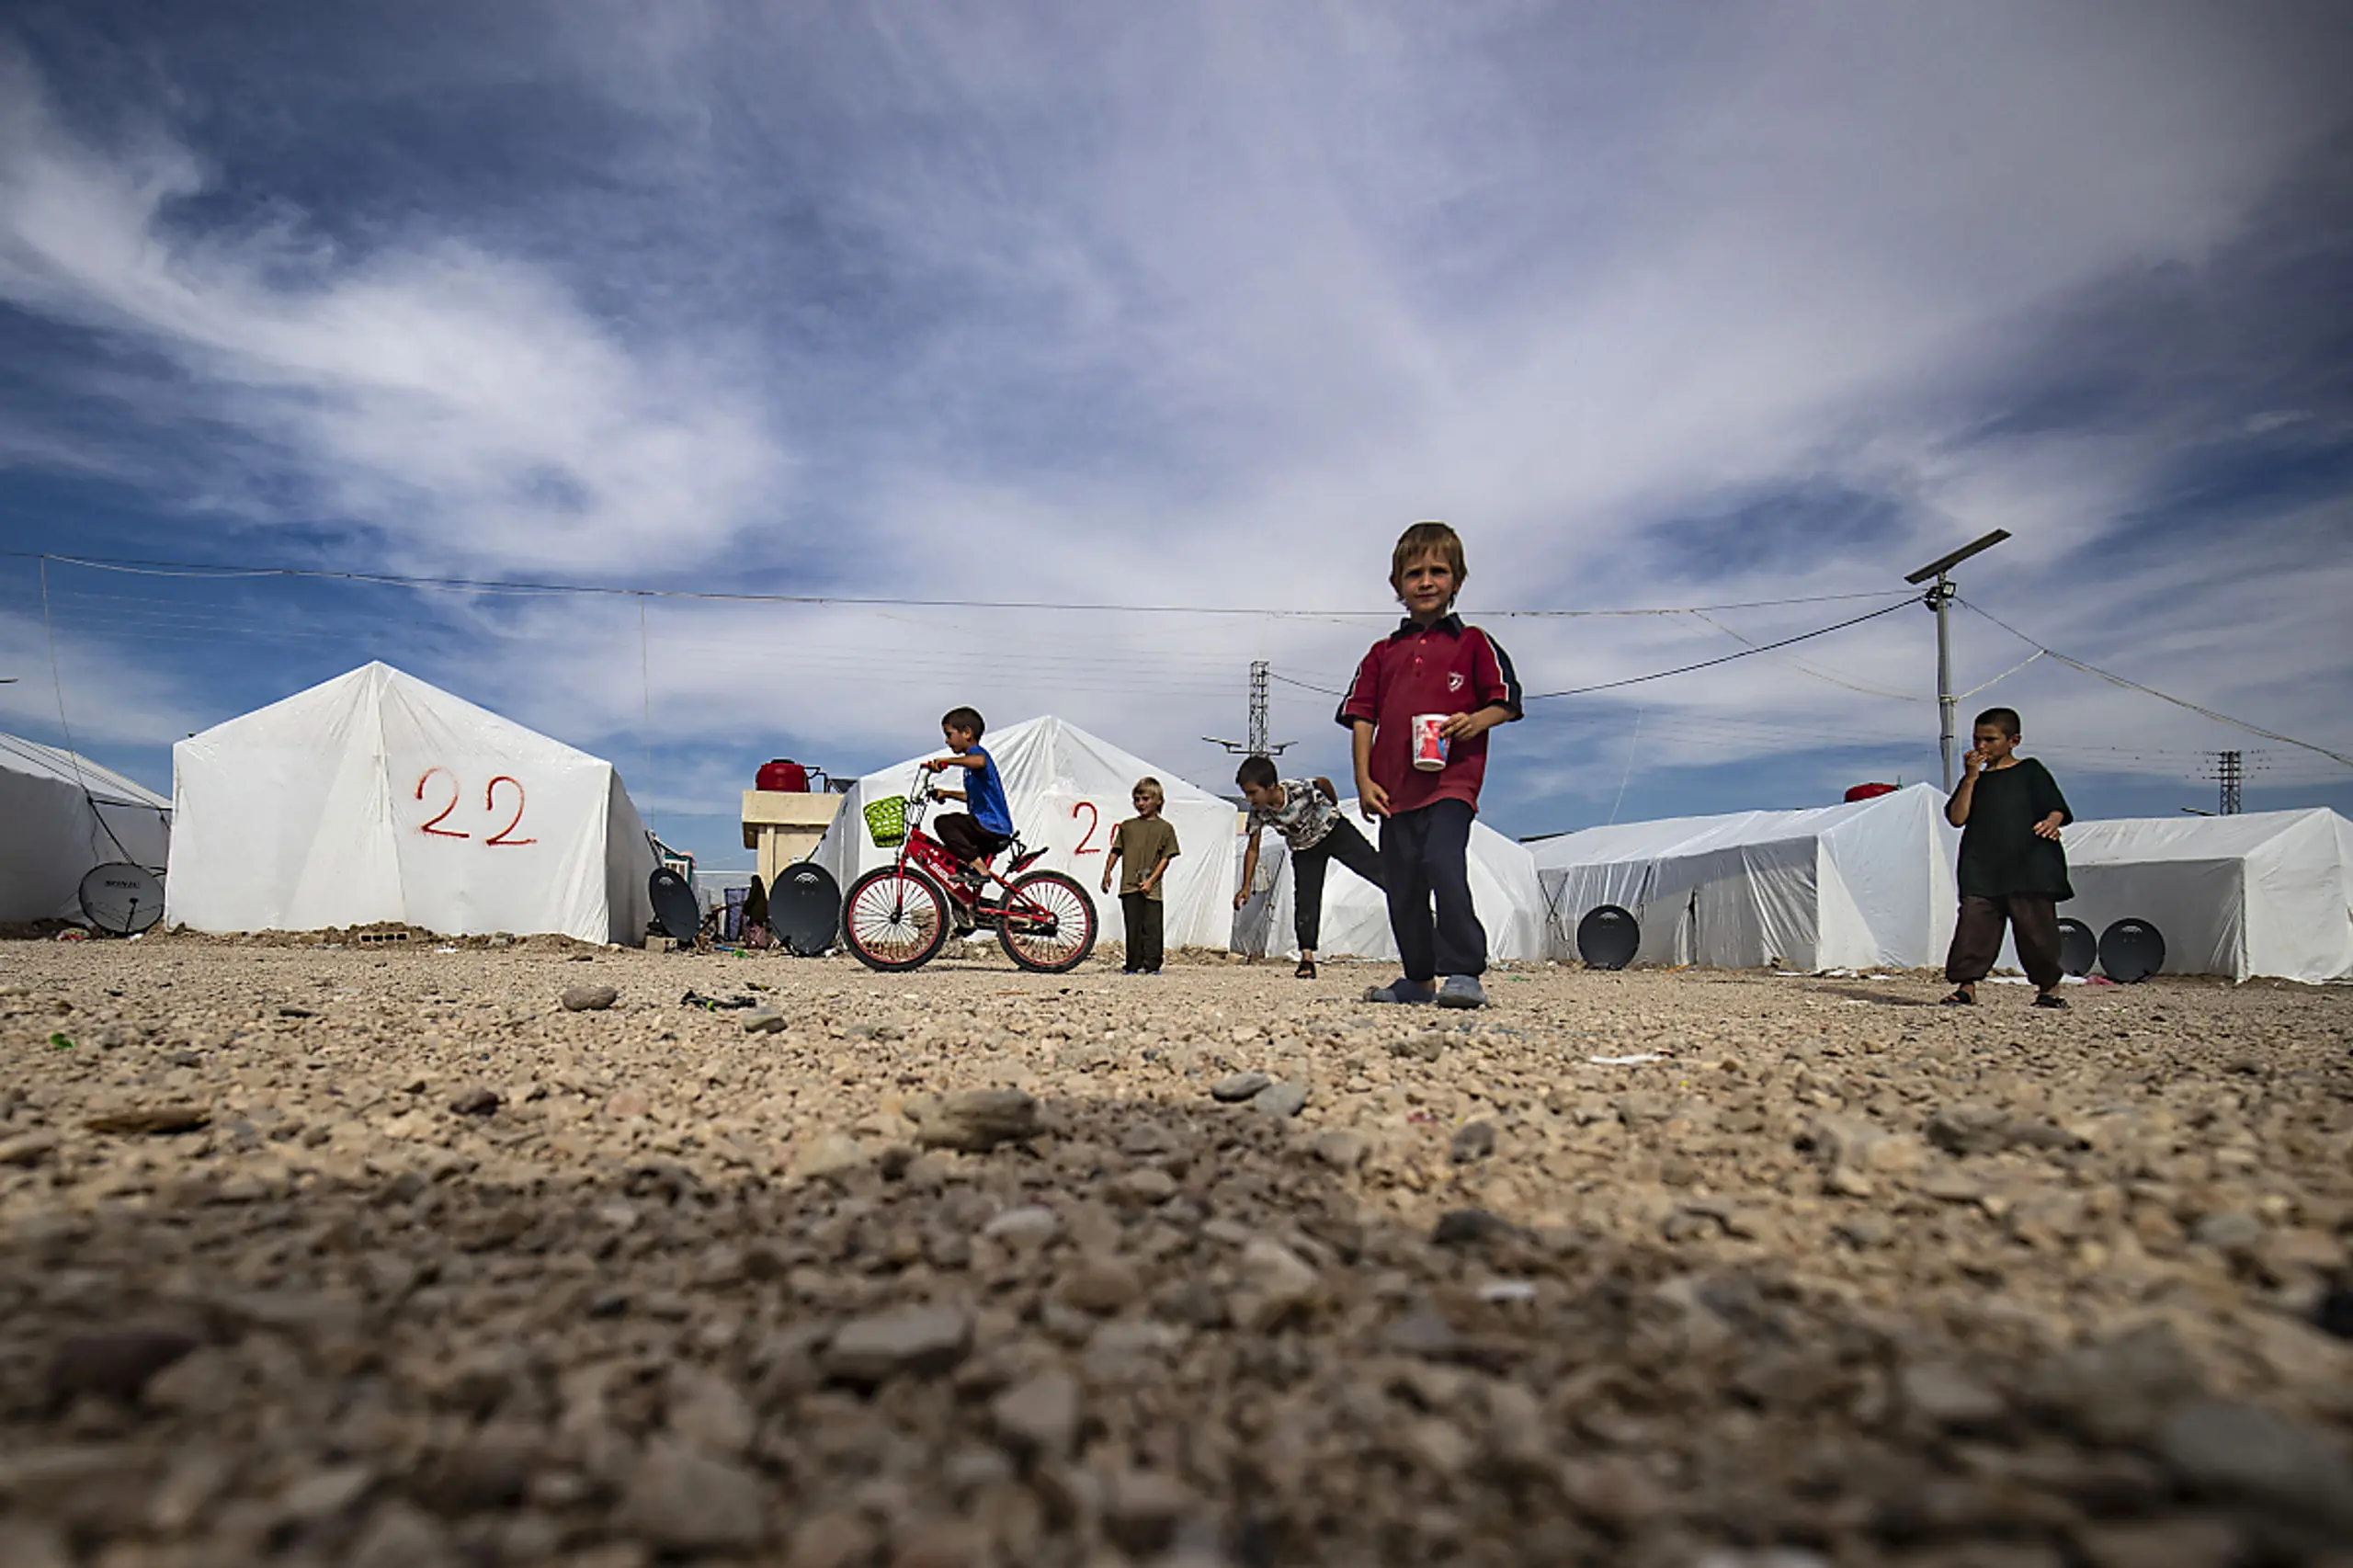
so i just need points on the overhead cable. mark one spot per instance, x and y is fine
(2115, 679)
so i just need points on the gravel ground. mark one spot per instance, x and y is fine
(389, 1257)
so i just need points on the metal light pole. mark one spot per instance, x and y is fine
(1939, 598)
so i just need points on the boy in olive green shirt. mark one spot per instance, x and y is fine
(1146, 842)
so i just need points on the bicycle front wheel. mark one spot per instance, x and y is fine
(1048, 923)
(894, 919)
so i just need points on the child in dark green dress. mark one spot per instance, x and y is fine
(2013, 870)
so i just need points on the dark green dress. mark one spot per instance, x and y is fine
(2000, 855)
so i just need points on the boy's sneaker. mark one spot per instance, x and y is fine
(1462, 991)
(1410, 993)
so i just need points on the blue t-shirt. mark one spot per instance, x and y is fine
(984, 796)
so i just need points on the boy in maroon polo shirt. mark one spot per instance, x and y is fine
(1431, 664)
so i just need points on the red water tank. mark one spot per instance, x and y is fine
(784, 776)
(1859, 792)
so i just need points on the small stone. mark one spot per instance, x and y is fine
(28, 1149)
(588, 998)
(137, 1120)
(1280, 1098)
(974, 1120)
(1943, 1395)
(918, 1340)
(1341, 1149)
(2218, 1448)
(1030, 1225)
(1099, 1285)
(323, 1494)
(114, 1366)
(1145, 1186)
(1427, 1046)
(399, 1536)
(763, 1020)
(1968, 1128)
(1277, 1282)
(836, 1539)
(491, 1469)
(1474, 1141)
(1039, 1415)
(1141, 1509)
(2228, 1232)
(475, 1101)
(681, 1501)
(826, 1154)
(1470, 1227)
(711, 1414)
(1235, 1088)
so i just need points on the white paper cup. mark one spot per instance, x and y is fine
(1429, 743)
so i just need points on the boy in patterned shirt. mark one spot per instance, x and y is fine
(1306, 812)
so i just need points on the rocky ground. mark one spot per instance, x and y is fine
(404, 1256)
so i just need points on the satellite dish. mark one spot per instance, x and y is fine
(676, 909)
(2078, 950)
(122, 899)
(1608, 936)
(805, 910)
(2132, 950)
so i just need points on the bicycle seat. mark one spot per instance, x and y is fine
(1023, 858)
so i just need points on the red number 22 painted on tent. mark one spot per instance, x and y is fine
(504, 838)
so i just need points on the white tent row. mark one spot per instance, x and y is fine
(2264, 893)
(1860, 884)
(60, 814)
(1504, 888)
(376, 797)
(1068, 788)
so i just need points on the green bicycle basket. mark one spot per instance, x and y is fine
(886, 822)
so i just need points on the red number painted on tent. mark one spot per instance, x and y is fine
(490, 802)
(430, 828)
(1094, 821)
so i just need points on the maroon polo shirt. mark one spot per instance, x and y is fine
(1446, 667)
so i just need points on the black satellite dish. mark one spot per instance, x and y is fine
(2131, 950)
(2078, 949)
(1608, 936)
(805, 910)
(676, 909)
(122, 899)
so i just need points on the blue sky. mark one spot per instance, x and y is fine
(1196, 305)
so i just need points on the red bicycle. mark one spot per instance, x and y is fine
(898, 917)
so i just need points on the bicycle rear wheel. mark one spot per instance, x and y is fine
(1048, 923)
(894, 919)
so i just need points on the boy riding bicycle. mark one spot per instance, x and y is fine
(971, 837)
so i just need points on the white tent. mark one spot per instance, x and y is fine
(376, 797)
(2266, 894)
(1503, 890)
(1860, 884)
(60, 814)
(1068, 788)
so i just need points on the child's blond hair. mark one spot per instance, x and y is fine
(1150, 788)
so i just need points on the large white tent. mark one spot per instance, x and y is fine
(1504, 888)
(1860, 884)
(2265, 893)
(1068, 788)
(60, 815)
(377, 797)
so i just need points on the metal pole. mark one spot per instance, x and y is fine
(1941, 600)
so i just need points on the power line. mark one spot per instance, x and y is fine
(2165, 696)
(494, 586)
(1748, 653)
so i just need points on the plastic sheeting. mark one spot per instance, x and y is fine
(1068, 788)
(1503, 890)
(2264, 893)
(1861, 884)
(60, 815)
(377, 797)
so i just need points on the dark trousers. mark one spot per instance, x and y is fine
(2033, 920)
(1343, 844)
(1142, 911)
(1424, 855)
(966, 839)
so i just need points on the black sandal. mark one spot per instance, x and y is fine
(1959, 999)
(2048, 999)
(1306, 970)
